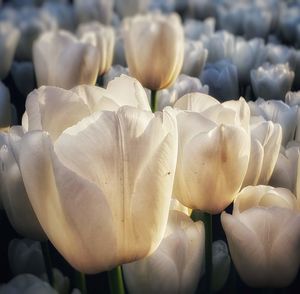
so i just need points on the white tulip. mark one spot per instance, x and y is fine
(263, 234)
(176, 265)
(103, 37)
(277, 112)
(272, 81)
(194, 58)
(89, 10)
(213, 154)
(9, 37)
(127, 8)
(154, 35)
(62, 60)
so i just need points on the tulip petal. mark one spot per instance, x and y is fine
(71, 210)
(44, 104)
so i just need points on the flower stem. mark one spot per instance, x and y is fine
(153, 100)
(115, 280)
(81, 282)
(208, 251)
(48, 263)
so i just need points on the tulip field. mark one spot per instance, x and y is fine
(149, 146)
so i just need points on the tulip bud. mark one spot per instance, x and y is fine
(277, 112)
(25, 257)
(127, 8)
(194, 29)
(281, 54)
(221, 265)
(9, 37)
(63, 61)
(26, 283)
(194, 58)
(159, 36)
(176, 265)
(272, 81)
(103, 38)
(220, 46)
(263, 234)
(89, 10)
(23, 76)
(222, 80)
(5, 108)
(265, 146)
(257, 23)
(248, 55)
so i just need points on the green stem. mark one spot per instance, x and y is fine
(208, 251)
(153, 100)
(115, 280)
(48, 263)
(81, 282)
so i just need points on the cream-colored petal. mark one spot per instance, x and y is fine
(14, 196)
(196, 102)
(271, 146)
(128, 91)
(72, 211)
(96, 98)
(255, 163)
(263, 196)
(47, 103)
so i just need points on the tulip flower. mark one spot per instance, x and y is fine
(9, 37)
(263, 234)
(63, 61)
(194, 58)
(158, 36)
(89, 10)
(221, 264)
(182, 86)
(26, 283)
(281, 54)
(31, 23)
(23, 76)
(272, 81)
(25, 256)
(127, 8)
(103, 38)
(287, 169)
(257, 23)
(277, 112)
(194, 29)
(266, 139)
(176, 265)
(5, 108)
(293, 99)
(220, 46)
(222, 80)
(63, 13)
(14, 197)
(114, 183)
(288, 21)
(213, 154)
(248, 55)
